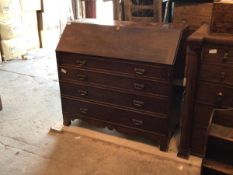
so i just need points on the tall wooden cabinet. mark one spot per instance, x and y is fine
(209, 75)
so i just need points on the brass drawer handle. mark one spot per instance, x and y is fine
(83, 110)
(81, 63)
(139, 86)
(138, 103)
(139, 71)
(222, 76)
(83, 93)
(219, 98)
(225, 57)
(82, 77)
(64, 71)
(184, 21)
(137, 122)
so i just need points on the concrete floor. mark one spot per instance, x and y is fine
(31, 105)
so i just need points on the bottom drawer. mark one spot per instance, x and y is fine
(115, 115)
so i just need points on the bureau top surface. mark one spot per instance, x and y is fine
(151, 42)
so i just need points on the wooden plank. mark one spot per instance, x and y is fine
(222, 132)
(217, 166)
(142, 7)
(143, 19)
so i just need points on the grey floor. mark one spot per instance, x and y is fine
(31, 105)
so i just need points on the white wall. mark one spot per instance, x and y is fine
(104, 10)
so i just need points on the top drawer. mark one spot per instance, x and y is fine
(218, 54)
(159, 72)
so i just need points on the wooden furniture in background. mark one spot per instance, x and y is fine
(121, 76)
(143, 10)
(118, 13)
(209, 75)
(218, 157)
(90, 8)
(222, 17)
(194, 14)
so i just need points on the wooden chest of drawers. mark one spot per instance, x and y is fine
(209, 84)
(121, 76)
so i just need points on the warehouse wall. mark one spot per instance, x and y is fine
(30, 24)
(104, 10)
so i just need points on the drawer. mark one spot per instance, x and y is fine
(130, 118)
(199, 136)
(216, 73)
(215, 94)
(135, 69)
(202, 115)
(111, 80)
(218, 54)
(136, 101)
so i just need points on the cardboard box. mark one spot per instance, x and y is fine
(11, 29)
(30, 5)
(48, 21)
(32, 40)
(49, 38)
(9, 8)
(29, 20)
(13, 48)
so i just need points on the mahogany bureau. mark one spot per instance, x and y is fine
(209, 85)
(121, 75)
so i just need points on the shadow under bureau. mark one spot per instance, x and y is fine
(121, 76)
